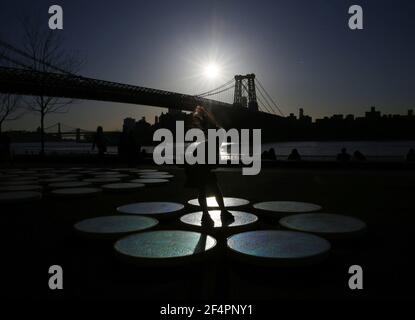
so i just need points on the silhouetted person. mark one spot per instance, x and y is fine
(358, 156)
(411, 155)
(100, 142)
(271, 154)
(201, 177)
(5, 154)
(343, 156)
(294, 155)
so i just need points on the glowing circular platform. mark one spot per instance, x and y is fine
(149, 181)
(69, 184)
(112, 176)
(58, 179)
(110, 226)
(332, 226)
(18, 183)
(165, 246)
(19, 197)
(106, 173)
(121, 169)
(102, 180)
(279, 248)
(72, 176)
(156, 176)
(240, 219)
(76, 192)
(86, 172)
(151, 208)
(229, 202)
(158, 173)
(122, 186)
(287, 206)
(25, 187)
(145, 170)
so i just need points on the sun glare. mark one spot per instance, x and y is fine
(211, 71)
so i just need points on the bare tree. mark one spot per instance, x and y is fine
(44, 49)
(10, 108)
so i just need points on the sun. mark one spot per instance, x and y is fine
(211, 71)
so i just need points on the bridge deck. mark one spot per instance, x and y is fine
(29, 82)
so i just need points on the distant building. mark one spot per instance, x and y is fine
(303, 118)
(372, 114)
(337, 117)
(129, 124)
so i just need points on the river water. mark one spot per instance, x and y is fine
(313, 150)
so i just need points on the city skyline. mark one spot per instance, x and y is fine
(303, 53)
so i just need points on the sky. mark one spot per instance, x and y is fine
(303, 52)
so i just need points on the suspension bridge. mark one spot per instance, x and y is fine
(245, 93)
(61, 130)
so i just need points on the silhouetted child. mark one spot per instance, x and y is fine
(294, 155)
(411, 155)
(358, 156)
(343, 156)
(200, 176)
(100, 142)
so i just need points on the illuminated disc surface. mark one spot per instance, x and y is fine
(164, 244)
(287, 206)
(126, 186)
(241, 218)
(325, 224)
(86, 172)
(115, 225)
(112, 176)
(229, 202)
(285, 248)
(59, 179)
(18, 183)
(102, 180)
(121, 169)
(152, 172)
(71, 176)
(69, 184)
(145, 170)
(27, 187)
(106, 173)
(75, 192)
(150, 208)
(149, 180)
(156, 176)
(19, 196)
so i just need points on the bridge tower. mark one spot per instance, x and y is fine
(239, 99)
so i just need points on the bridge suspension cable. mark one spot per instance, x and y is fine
(267, 103)
(270, 98)
(212, 91)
